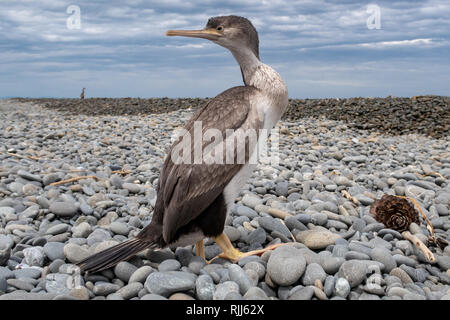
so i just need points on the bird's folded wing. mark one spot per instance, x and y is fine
(187, 189)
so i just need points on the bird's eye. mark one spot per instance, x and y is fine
(220, 28)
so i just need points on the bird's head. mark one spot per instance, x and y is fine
(231, 32)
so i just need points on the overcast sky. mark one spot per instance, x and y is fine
(321, 48)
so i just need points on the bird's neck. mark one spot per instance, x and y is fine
(248, 62)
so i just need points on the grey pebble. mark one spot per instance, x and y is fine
(384, 256)
(223, 289)
(286, 265)
(123, 270)
(204, 287)
(305, 293)
(64, 209)
(238, 275)
(168, 282)
(141, 274)
(130, 291)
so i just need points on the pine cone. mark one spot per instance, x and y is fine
(395, 213)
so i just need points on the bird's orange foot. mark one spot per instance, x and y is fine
(234, 255)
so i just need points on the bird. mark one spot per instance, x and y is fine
(194, 199)
(82, 94)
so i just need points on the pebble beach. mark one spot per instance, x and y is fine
(336, 157)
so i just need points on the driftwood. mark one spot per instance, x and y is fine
(349, 196)
(420, 245)
(73, 179)
(277, 213)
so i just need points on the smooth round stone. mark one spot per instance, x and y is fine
(238, 275)
(328, 286)
(442, 209)
(303, 218)
(312, 273)
(373, 227)
(5, 273)
(33, 272)
(272, 224)
(20, 284)
(83, 230)
(141, 274)
(30, 189)
(305, 293)
(384, 256)
(340, 250)
(342, 288)
(169, 265)
(251, 201)
(131, 187)
(397, 291)
(286, 265)
(394, 233)
(355, 255)
(319, 218)
(342, 181)
(98, 235)
(7, 211)
(119, 228)
(196, 264)
(255, 293)
(359, 224)
(5, 253)
(116, 181)
(3, 285)
(55, 265)
(353, 271)
(123, 270)
(64, 209)
(246, 211)
(443, 262)
(80, 293)
(50, 178)
(292, 223)
(57, 283)
(418, 275)
(34, 256)
(130, 291)
(86, 209)
(105, 288)
(15, 187)
(58, 229)
(168, 282)
(224, 289)
(257, 267)
(29, 176)
(317, 239)
(329, 263)
(402, 275)
(75, 253)
(204, 287)
(401, 259)
(257, 236)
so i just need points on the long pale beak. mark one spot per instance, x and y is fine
(210, 34)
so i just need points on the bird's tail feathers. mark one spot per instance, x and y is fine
(112, 256)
